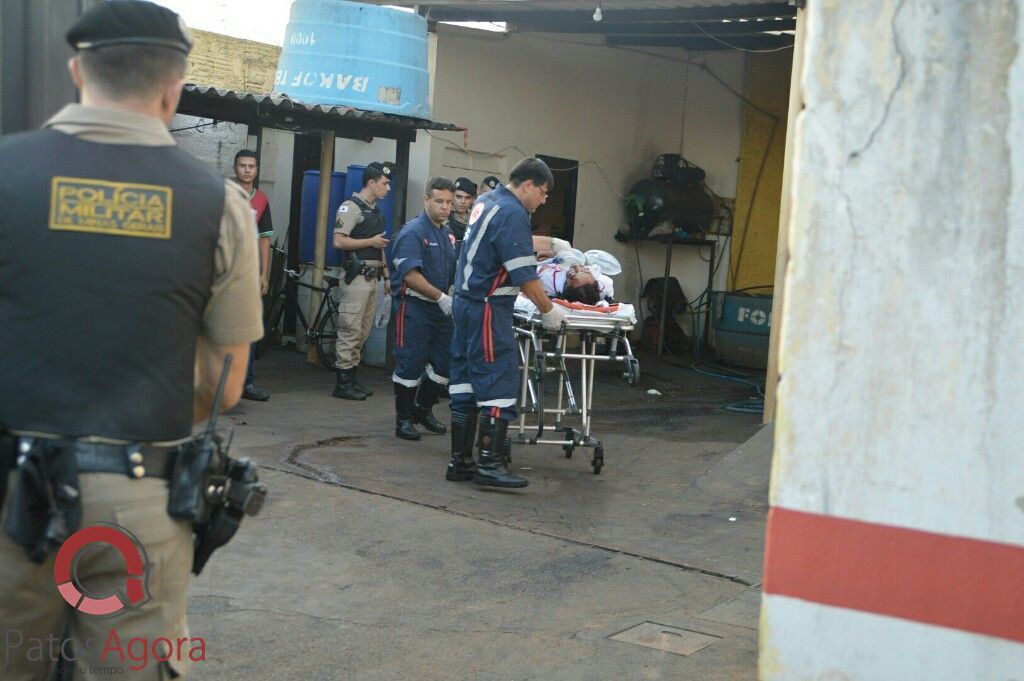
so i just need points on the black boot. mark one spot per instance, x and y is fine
(345, 388)
(426, 398)
(491, 468)
(461, 466)
(359, 386)
(404, 399)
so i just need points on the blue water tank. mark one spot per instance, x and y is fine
(352, 54)
(307, 218)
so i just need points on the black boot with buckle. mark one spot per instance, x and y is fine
(346, 387)
(405, 398)
(426, 398)
(461, 466)
(492, 468)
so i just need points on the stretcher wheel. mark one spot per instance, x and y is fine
(568, 451)
(570, 435)
(632, 372)
(598, 461)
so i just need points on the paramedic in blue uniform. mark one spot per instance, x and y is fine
(422, 271)
(497, 261)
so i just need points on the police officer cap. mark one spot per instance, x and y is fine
(129, 22)
(490, 182)
(376, 170)
(464, 184)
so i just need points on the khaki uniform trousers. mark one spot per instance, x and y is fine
(31, 609)
(356, 305)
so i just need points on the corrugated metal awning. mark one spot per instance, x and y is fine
(282, 112)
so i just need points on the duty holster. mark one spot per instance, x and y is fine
(45, 505)
(353, 267)
(212, 490)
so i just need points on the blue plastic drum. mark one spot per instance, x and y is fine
(350, 54)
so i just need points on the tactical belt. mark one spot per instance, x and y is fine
(133, 461)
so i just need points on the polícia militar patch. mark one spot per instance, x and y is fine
(101, 207)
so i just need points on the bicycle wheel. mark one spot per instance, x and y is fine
(327, 336)
(271, 323)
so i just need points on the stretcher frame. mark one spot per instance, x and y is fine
(543, 353)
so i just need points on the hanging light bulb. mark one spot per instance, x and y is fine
(597, 13)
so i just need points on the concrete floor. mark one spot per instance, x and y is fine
(367, 564)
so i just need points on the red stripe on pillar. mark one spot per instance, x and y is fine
(957, 582)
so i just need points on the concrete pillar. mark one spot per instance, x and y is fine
(895, 544)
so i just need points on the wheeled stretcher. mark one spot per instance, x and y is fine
(560, 414)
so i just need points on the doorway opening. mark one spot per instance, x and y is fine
(557, 217)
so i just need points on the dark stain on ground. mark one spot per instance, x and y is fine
(319, 472)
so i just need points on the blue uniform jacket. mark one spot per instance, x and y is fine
(422, 245)
(497, 251)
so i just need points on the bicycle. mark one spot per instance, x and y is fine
(322, 331)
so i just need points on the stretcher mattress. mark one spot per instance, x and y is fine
(619, 311)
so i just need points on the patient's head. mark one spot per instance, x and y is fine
(580, 286)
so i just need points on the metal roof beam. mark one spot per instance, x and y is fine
(611, 15)
(758, 42)
(678, 28)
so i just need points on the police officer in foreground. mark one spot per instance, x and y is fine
(497, 261)
(359, 232)
(129, 272)
(422, 270)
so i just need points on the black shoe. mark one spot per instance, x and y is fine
(491, 468)
(345, 388)
(426, 398)
(251, 392)
(425, 417)
(404, 409)
(359, 386)
(461, 467)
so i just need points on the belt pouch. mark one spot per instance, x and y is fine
(186, 500)
(45, 506)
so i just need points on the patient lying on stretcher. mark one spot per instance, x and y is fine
(575, 283)
(574, 276)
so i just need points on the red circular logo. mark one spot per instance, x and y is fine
(65, 570)
(478, 210)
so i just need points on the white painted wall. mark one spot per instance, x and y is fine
(612, 110)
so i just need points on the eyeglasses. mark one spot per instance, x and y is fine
(544, 191)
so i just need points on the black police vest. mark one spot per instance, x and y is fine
(371, 225)
(106, 263)
(457, 226)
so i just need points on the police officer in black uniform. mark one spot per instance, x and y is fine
(489, 184)
(128, 272)
(465, 194)
(359, 232)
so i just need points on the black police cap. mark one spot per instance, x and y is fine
(376, 169)
(129, 22)
(466, 185)
(491, 182)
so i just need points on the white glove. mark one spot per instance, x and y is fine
(553, 318)
(559, 245)
(445, 303)
(383, 312)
